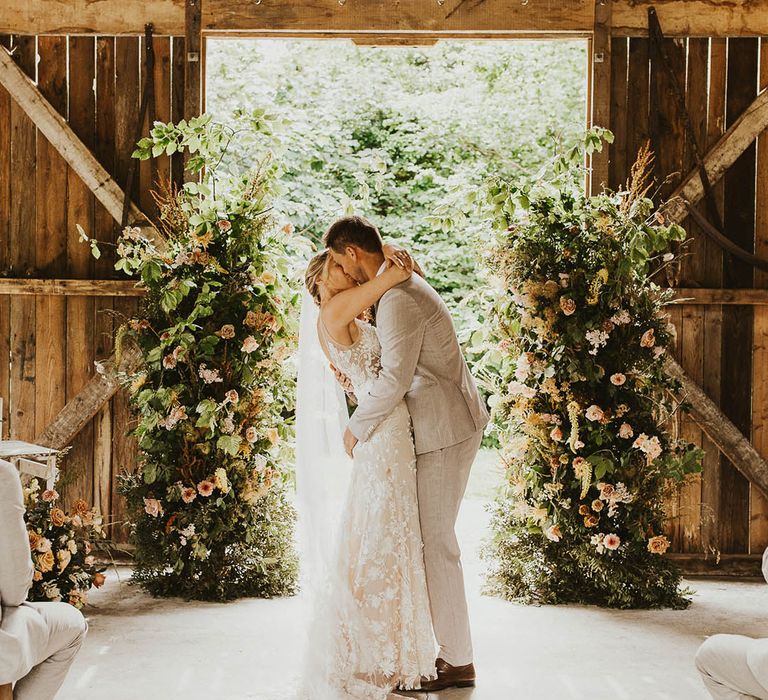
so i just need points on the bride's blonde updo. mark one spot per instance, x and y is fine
(314, 273)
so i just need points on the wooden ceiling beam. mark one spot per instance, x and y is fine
(167, 16)
(326, 17)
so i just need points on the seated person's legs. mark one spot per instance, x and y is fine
(722, 662)
(66, 629)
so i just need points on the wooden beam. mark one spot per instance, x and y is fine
(84, 406)
(719, 428)
(722, 156)
(600, 88)
(60, 135)
(706, 297)
(630, 17)
(681, 18)
(193, 60)
(109, 17)
(79, 287)
(693, 564)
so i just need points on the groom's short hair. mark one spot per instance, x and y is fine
(353, 231)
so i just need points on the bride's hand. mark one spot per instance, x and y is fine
(395, 255)
(402, 268)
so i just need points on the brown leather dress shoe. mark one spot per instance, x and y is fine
(450, 677)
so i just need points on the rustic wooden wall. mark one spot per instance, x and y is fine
(722, 347)
(52, 341)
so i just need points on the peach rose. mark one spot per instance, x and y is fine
(583, 509)
(591, 520)
(58, 518)
(49, 495)
(34, 539)
(625, 431)
(232, 396)
(205, 487)
(153, 507)
(611, 541)
(224, 225)
(98, 579)
(597, 505)
(80, 507)
(658, 544)
(648, 340)
(45, 561)
(288, 228)
(188, 494)
(64, 556)
(250, 344)
(37, 576)
(568, 306)
(618, 379)
(556, 434)
(268, 277)
(553, 533)
(273, 436)
(227, 331)
(44, 545)
(251, 434)
(594, 413)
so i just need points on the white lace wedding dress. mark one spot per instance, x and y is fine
(371, 628)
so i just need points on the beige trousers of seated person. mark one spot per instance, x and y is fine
(734, 667)
(42, 661)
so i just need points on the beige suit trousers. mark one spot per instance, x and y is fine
(442, 479)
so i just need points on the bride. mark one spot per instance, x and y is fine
(371, 629)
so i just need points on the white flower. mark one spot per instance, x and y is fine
(553, 533)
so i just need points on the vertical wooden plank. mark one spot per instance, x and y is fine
(617, 166)
(192, 63)
(5, 250)
(80, 309)
(736, 366)
(51, 243)
(601, 90)
(23, 223)
(637, 98)
(177, 102)
(124, 452)
(162, 77)
(669, 143)
(104, 268)
(162, 100)
(712, 276)
(758, 539)
(692, 329)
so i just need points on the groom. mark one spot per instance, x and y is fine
(421, 361)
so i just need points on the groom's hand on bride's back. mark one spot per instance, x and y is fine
(343, 379)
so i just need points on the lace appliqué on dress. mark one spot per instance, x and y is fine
(372, 628)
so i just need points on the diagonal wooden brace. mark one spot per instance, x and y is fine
(55, 128)
(86, 404)
(719, 428)
(721, 157)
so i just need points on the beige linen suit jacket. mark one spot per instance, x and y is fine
(22, 634)
(420, 360)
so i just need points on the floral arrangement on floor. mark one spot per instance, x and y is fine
(61, 545)
(214, 397)
(581, 400)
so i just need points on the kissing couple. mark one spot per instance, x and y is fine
(391, 598)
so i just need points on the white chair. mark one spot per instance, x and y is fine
(28, 458)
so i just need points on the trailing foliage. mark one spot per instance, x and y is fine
(581, 400)
(214, 399)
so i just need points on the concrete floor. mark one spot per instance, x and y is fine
(142, 648)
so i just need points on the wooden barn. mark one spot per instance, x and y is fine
(80, 82)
